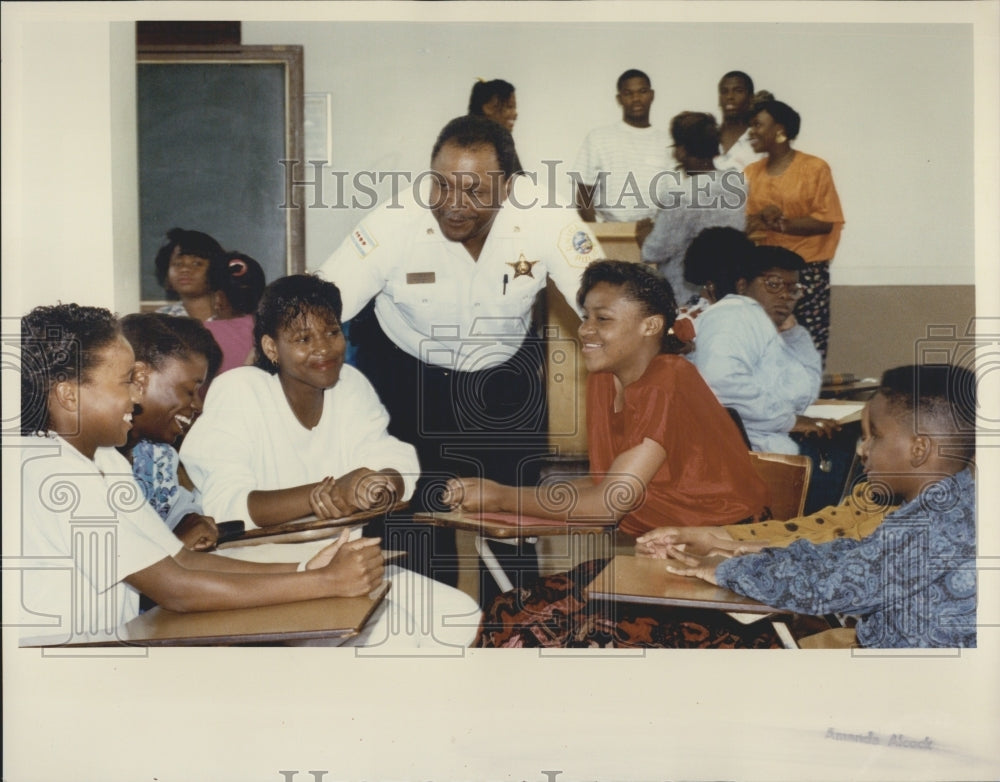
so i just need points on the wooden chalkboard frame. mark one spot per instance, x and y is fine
(291, 58)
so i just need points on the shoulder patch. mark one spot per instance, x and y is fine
(578, 245)
(363, 241)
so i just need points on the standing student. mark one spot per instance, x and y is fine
(618, 164)
(78, 392)
(182, 264)
(705, 198)
(912, 582)
(736, 98)
(495, 100)
(793, 203)
(452, 275)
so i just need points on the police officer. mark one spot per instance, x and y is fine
(439, 286)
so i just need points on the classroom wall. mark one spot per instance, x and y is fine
(888, 106)
(901, 154)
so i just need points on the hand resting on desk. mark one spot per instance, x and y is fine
(699, 541)
(474, 494)
(358, 564)
(682, 564)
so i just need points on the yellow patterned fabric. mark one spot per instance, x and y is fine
(856, 517)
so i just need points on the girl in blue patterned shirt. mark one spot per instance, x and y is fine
(175, 357)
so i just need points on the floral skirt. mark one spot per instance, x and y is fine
(554, 612)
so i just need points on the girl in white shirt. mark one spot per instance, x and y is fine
(78, 390)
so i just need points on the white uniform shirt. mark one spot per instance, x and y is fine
(438, 304)
(633, 158)
(766, 376)
(739, 156)
(249, 439)
(93, 514)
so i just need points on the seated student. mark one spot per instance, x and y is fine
(175, 358)
(660, 445)
(302, 433)
(912, 582)
(761, 363)
(237, 282)
(756, 358)
(710, 263)
(78, 391)
(182, 269)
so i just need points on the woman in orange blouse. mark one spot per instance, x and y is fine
(662, 449)
(793, 203)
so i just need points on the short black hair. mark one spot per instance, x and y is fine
(738, 75)
(240, 277)
(764, 257)
(156, 337)
(641, 285)
(286, 300)
(697, 132)
(632, 73)
(190, 243)
(718, 255)
(783, 114)
(471, 131)
(939, 400)
(58, 343)
(485, 91)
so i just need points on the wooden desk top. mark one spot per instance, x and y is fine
(309, 528)
(645, 580)
(324, 618)
(510, 525)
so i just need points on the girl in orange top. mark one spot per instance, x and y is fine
(792, 203)
(661, 446)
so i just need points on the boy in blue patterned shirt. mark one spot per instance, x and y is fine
(912, 582)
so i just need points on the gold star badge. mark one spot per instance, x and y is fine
(522, 267)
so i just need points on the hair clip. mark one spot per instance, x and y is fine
(237, 268)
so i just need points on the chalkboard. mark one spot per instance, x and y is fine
(213, 129)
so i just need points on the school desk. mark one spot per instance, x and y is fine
(335, 619)
(308, 528)
(587, 539)
(645, 580)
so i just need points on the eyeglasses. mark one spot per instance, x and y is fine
(775, 284)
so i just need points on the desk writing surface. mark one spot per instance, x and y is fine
(645, 580)
(843, 411)
(329, 617)
(308, 528)
(510, 525)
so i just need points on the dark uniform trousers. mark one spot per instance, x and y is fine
(490, 423)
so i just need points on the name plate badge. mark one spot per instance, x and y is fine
(419, 278)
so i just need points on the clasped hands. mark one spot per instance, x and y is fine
(770, 218)
(360, 489)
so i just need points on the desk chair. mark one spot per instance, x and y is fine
(787, 478)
